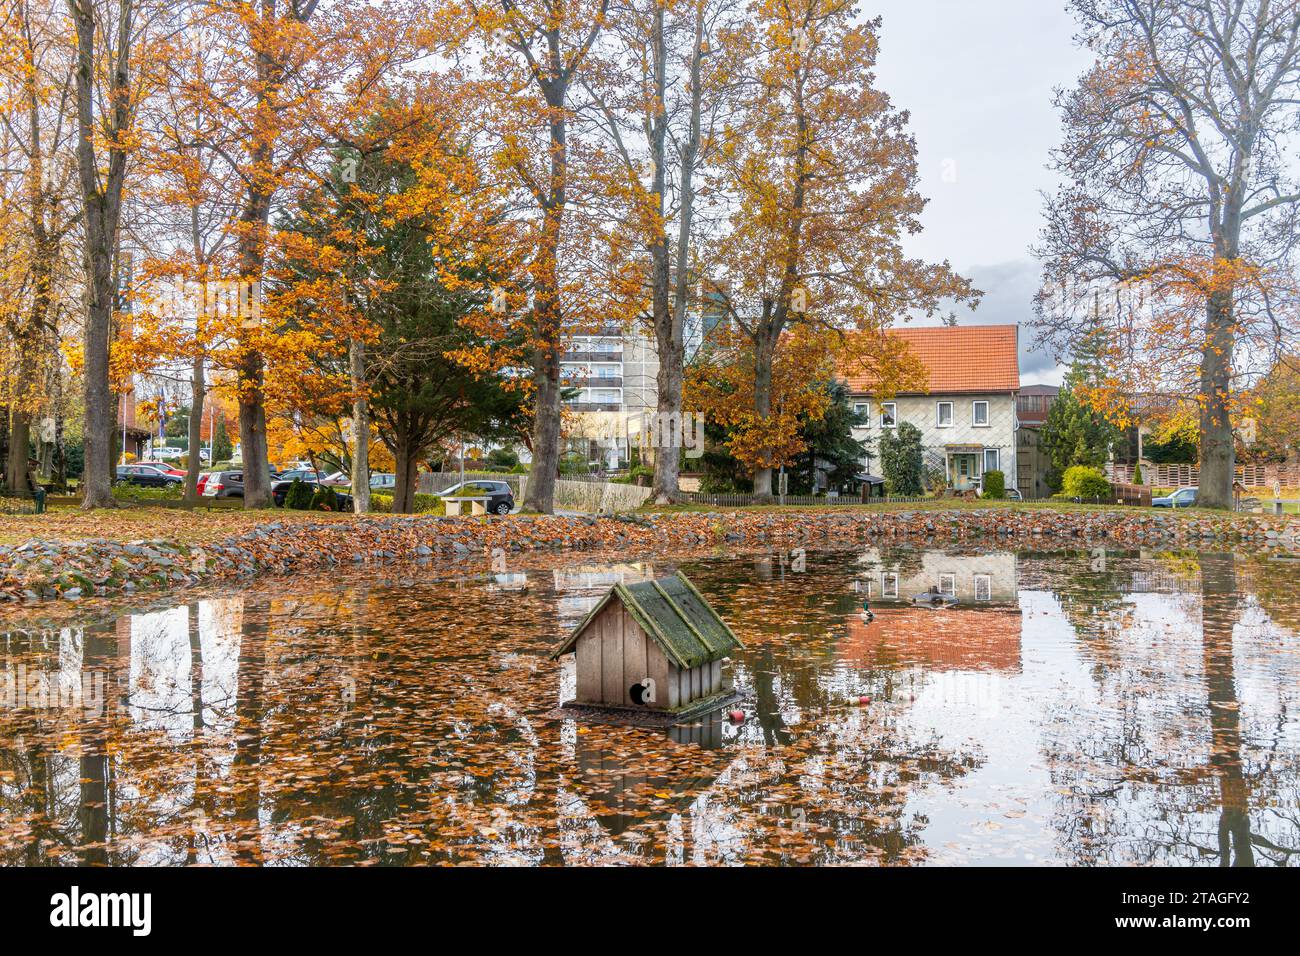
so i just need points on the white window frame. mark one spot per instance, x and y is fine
(986, 580)
(974, 418)
(948, 584)
(863, 409)
(889, 584)
(984, 460)
(938, 415)
(893, 414)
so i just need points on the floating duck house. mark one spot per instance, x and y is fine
(653, 646)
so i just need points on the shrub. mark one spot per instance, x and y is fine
(136, 493)
(299, 496)
(1082, 481)
(901, 459)
(325, 499)
(633, 473)
(1137, 473)
(502, 459)
(423, 504)
(995, 484)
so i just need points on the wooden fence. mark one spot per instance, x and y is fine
(1178, 476)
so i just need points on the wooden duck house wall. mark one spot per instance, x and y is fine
(616, 657)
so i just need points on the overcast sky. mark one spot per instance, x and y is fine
(978, 79)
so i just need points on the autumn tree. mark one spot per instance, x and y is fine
(578, 275)
(658, 97)
(1181, 201)
(400, 256)
(39, 212)
(1277, 411)
(183, 216)
(821, 174)
(111, 40)
(290, 79)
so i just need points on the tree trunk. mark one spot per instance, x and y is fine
(360, 428)
(101, 209)
(100, 407)
(1217, 457)
(404, 480)
(763, 357)
(252, 433)
(669, 316)
(546, 432)
(195, 458)
(20, 432)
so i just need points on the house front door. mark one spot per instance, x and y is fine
(962, 471)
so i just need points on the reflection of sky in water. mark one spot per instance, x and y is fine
(1058, 714)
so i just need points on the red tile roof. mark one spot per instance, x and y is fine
(970, 358)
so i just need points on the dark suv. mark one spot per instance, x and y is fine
(146, 476)
(500, 499)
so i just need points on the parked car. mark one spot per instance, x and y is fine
(280, 490)
(144, 476)
(337, 479)
(500, 499)
(306, 474)
(227, 484)
(382, 481)
(1182, 498)
(164, 466)
(223, 484)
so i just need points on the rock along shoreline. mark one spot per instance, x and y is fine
(40, 570)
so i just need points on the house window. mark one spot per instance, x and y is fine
(943, 414)
(888, 414)
(863, 411)
(983, 587)
(980, 414)
(948, 584)
(889, 585)
(992, 459)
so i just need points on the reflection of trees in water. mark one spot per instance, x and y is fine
(1174, 777)
(1092, 591)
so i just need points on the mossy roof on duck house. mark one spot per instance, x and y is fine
(674, 614)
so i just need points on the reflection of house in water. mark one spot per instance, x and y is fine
(981, 632)
(971, 578)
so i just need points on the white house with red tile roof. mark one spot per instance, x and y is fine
(967, 417)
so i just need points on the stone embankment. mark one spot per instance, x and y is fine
(41, 570)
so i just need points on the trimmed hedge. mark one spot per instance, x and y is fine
(1082, 481)
(995, 484)
(299, 496)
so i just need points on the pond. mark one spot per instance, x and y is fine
(1075, 708)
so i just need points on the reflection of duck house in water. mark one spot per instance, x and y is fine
(651, 650)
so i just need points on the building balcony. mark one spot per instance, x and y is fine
(587, 358)
(592, 381)
(593, 406)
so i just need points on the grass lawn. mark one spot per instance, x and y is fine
(70, 523)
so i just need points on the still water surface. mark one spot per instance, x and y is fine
(1072, 708)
